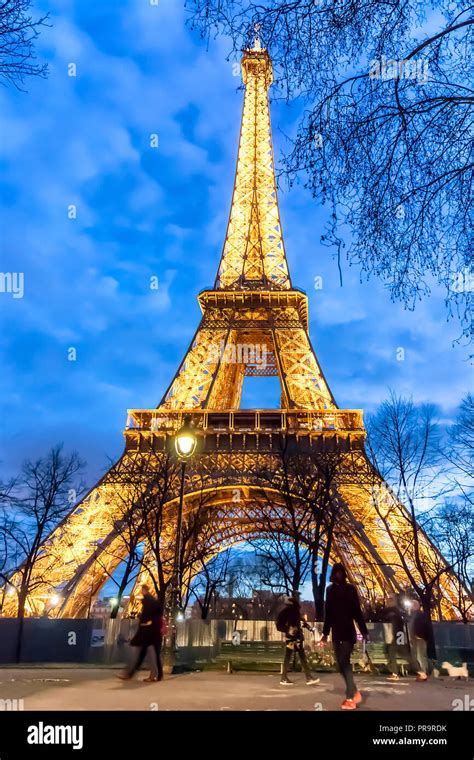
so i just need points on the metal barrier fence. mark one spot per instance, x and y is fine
(99, 641)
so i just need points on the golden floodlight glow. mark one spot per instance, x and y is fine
(254, 324)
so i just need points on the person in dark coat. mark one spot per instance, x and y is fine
(394, 634)
(419, 639)
(148, 634)
(290, 621)
(342, 609)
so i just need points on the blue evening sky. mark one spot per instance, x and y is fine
(144, 212)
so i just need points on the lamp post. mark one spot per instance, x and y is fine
(185, 442)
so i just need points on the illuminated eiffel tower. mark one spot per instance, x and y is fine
(254, 323)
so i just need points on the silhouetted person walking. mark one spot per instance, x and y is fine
(420, 636)
(394, 635)
(289, 622)
(149, 634)
(342, 609)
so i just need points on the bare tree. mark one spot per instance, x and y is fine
(147, 482)
(300, 535)
(281, 527)
(38, 500)
(385, 139)
(254, 585)
(316, 472)
(459, 447)
(452, 526)
(259, 571)
(198, 551)
(208, 569)
(18, 32)
(286, 557)
(404, 446)
(126, 551)
(211, 579)
(453, 521)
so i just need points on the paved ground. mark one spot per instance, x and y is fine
(99, 689)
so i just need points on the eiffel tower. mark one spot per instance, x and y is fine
(254, 323)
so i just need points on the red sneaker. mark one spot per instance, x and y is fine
(348, 704)
(357, 698)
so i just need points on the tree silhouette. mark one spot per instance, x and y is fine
(18, 32)
(386, 136)
(36, 502)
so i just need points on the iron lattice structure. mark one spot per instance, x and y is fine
(254, 322)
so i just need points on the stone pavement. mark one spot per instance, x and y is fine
(71, 688)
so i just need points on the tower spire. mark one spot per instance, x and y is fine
(257, 45)
(253, 256)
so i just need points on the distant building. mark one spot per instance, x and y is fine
(101, 608)
(262, 605)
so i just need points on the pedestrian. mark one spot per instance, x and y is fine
(419, 637)
(394, 635)
(291, 623)
(149, 634)
(342, 609)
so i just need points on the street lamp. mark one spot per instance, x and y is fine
(185, 442)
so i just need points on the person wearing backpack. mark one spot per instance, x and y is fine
(342, 609)
(290, 622)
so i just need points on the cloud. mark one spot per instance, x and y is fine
(143, 212)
